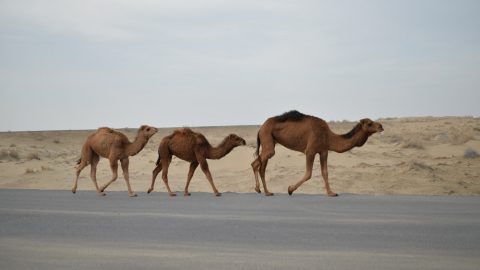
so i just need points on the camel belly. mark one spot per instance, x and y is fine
(190, 157)
(291, 139)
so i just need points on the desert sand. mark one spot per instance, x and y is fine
(421, 155)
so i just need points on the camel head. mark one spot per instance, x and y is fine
(147, 131)
(370, 126)
(236, 140)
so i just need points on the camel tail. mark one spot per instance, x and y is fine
(257, 151)
(158, 159)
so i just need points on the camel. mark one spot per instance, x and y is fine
(115, 146)
(194, 148)
(310, 135)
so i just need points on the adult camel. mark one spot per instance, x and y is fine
(114, 146)
(309, 135)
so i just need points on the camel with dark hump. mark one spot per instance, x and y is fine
(115, 146)
(194, 148)
(310, 135)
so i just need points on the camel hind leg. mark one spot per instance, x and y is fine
(256, 167)
(84, 161)
(155, 172)
(263, 168)
(165, 162)
(268, 151)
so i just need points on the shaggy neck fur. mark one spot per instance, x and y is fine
(137, 145)
(221, 150)
(342, 143)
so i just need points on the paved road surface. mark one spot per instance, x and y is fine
(59, 230)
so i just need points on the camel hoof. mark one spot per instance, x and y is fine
(172, 194)
(101, 194)
(290, 190)
(132, 195)
(332, 194)
(149, 190)
(186, 194)
(257, 189)
(74, 191)
(218, 194)
(268, 194)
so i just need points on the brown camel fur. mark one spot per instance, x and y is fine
(194, 148)
(310, 135)
(115, 146)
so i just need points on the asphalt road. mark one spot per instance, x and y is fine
(60, 230)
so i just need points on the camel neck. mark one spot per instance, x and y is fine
(136, 146)
(219, 151)
(342, 143)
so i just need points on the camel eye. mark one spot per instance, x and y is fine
(370, 124)
(148, 129)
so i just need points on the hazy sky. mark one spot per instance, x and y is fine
(90, 63)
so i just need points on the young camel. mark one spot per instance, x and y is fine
(194, 148)
(115, 146)
(310, 135)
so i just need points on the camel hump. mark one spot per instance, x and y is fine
(184, 131)
(292, 115)
(105, 129)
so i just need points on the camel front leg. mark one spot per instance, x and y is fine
(206, 171)
(310, 157)
(256, 166)
(93, 174)
(114, 167)
(125, 163)
(155, 172)
(191, 170)
(323, 164)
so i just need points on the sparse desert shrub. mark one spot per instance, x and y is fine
(33, 156)
(14, 154)
(13, 145)
(413, 145)
(9, 154)
(470, 153)
(4, 154)
(46, 168)
(57, 141)
(457, 137)
(28, 170)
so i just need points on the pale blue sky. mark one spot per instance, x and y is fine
(90, 63)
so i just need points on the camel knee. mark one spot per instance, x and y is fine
(256, 164)
(267, 155)
(157, 170)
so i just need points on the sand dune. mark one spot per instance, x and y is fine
(413, 156)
